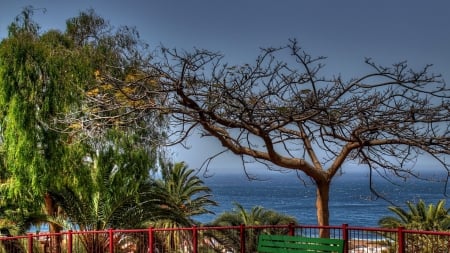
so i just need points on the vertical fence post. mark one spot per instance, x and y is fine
(242, 237)
(291, 229)
(151, 240)
(111, 240)
(30, 242)
(69, 241)
(194, 239)
(401, 240)
(345, 236)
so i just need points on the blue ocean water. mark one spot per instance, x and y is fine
(351, 200)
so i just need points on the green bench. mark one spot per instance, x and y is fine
(294, 244)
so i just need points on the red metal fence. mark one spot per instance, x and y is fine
(239, 239)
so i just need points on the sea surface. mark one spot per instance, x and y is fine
(351, 199)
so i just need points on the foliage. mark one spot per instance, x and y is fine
(258, 215)
(115, 176)
(17, 220)
(186, 197)
(420, 216)
(52, 148)
(186, 190)
(116, 55)
(38, 78)
(117, 191)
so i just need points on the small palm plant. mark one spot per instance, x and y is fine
(421, 217)
(186, 196)
(258, 215)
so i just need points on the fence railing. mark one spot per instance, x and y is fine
(236, 239)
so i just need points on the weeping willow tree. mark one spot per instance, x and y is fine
(37, 78)
(38, 74)
(49, 82)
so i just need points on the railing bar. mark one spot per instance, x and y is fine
(403, 240)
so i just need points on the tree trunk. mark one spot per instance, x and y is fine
(50, 208)
(323, 212)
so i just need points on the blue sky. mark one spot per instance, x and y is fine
(344, 31)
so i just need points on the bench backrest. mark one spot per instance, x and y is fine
(293, 244)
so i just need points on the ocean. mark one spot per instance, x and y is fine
(351, 200)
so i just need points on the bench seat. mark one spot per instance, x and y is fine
(298, 244)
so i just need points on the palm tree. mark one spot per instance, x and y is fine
(240, 216)
(419, 216)
(187, 196)
(186, 191)
(115, 190)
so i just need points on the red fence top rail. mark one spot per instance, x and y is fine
(369, 229)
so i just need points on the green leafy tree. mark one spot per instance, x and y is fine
(116, 55)
(240, 216)
(116, 175)
(47, 82)
(118, 192)
(17, 220)
(37, 77)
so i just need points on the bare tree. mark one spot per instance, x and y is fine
(282, 113)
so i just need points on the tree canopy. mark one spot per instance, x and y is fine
(279, 111)
(51, 145)
(39, 74)
(282, 112)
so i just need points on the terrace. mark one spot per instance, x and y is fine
(238, 239)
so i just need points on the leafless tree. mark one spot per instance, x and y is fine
(282, 113)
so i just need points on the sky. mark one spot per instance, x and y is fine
(346, 31)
